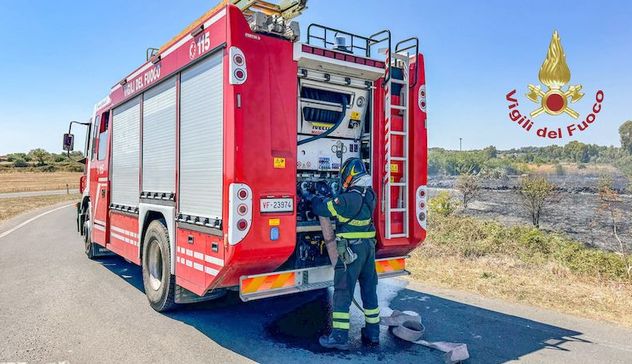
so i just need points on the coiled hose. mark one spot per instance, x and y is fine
(343, 103)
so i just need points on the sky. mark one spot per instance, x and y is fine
(61, 57)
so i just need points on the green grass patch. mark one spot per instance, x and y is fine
(472, 238)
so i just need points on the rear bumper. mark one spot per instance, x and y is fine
(258, 286)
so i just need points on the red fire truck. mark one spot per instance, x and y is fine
(196, 160)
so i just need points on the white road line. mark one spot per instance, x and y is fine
(33, 219)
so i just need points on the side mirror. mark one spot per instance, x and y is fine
(69, 142)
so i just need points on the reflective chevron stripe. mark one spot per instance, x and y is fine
(272, 281)
(390, 265)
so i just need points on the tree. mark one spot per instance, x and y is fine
(611, 204)
(39, 155)
(536, 194)
(577, 151)
(469, 186)
(625, 132)
(490, 152)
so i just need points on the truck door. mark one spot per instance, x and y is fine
(99, 181)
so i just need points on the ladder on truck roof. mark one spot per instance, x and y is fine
(399, 59)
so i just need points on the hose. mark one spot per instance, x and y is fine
(330, 130)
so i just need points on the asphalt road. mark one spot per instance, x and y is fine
(58, 306)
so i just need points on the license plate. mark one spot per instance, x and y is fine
(276, 205)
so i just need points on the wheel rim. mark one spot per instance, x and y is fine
(154, 264)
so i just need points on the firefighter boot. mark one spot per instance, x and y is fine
(369, 340)
(330, 342)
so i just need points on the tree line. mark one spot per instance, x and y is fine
(42, 160)
(492, 161)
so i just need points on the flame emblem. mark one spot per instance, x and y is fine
(555, 74)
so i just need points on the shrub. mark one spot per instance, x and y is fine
(75, 167)
(472, 238)
(535, 241)
(20, 163)
(57, 158)
(443, 204)
(46, 168)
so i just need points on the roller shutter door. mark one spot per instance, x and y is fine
(159, 138)
(125, 153)
(201, 139)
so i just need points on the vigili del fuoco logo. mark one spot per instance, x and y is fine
(555, 98)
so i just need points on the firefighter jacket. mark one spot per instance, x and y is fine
(353, 211)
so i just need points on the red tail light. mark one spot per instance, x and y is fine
(421, 206)
(240, 212)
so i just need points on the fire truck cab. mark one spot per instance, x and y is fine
(197, 159)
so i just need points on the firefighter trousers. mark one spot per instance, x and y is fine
(362, 270)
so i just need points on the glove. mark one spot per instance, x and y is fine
(307, 196)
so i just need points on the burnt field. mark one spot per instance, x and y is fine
(575, 213)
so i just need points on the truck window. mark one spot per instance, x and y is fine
(103, 136)
(95, 133)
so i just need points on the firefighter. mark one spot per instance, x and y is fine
(355, 241)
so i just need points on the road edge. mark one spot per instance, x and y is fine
(15, 223)
(610, 333)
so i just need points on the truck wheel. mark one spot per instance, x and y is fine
(159, 283)
(90, 247)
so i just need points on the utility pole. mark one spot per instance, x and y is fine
(460, 144)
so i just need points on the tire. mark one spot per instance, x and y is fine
(90, 247)
(79, 218)
(158, 281)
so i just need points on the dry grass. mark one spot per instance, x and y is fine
(572, 168)
(10, 207)
(503, 272)
(38, 181)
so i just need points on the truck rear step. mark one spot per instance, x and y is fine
(254, 287)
